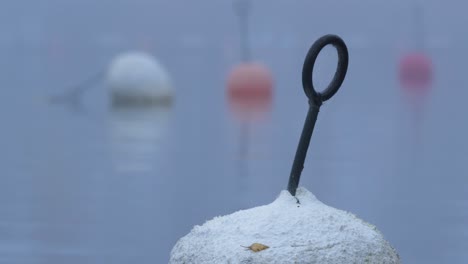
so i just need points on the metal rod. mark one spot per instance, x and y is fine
(316, 99)
(301, 152)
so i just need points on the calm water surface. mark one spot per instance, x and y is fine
(92, 184)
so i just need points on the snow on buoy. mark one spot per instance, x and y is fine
(250, 90)
(415, 72)
(137, 78)
(285, 231)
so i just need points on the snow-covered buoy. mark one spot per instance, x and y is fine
(250, 90)
(137, 78)
(285, 231)
(296, 227)
(415, 73)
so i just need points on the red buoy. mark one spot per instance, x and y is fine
(250, 90)
(415, 71)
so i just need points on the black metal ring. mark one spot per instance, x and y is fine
(308, 68)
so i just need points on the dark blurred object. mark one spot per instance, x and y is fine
(74, 95)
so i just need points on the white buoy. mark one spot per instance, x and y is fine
(137, 78)
(285, 231)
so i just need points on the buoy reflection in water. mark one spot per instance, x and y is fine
(137, 137)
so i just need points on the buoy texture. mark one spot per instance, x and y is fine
(292, 232)
(250, 90)
(137, 78)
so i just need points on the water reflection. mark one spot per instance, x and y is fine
(251, 157)
(137, 135)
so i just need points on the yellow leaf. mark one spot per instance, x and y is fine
(256, 247)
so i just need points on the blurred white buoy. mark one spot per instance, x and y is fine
(285, 231)
(137, 78)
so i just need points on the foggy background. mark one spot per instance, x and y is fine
(92, 184)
